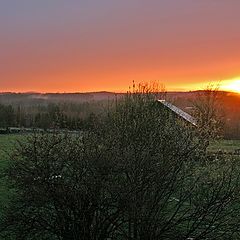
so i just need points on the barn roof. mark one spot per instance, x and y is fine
(187, 117)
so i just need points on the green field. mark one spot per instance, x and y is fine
(228, 146)
(7, 143)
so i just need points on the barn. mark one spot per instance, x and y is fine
(179, 112)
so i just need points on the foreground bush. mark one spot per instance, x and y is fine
(141, 174)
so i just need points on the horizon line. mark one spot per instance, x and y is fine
(113, 92)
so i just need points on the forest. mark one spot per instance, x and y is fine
(82, 111)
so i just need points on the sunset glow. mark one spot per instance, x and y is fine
(84, 46)
(232, 85)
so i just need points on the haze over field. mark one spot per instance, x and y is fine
(79, 46)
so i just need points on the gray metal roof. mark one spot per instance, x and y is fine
(179, 112)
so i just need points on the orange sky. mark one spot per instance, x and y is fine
(71, 46)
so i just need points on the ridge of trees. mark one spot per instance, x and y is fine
(63, 112)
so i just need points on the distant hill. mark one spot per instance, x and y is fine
(33, 97)
(12, 98)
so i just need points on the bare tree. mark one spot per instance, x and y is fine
(155, 89)
(209, 113)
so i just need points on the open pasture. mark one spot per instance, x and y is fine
(227, 146)
(7, 143)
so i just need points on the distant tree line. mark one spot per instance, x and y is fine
(217, 111)
(81, 116)
(7, 116)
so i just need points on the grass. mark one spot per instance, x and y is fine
(7, 143)
(228, 146)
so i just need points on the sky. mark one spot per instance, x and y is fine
(103, 45)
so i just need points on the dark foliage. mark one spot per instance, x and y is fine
(139, 174)
(7, 116)
(69, 116)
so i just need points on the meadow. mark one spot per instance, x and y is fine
(227, 146)
(7, 144)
